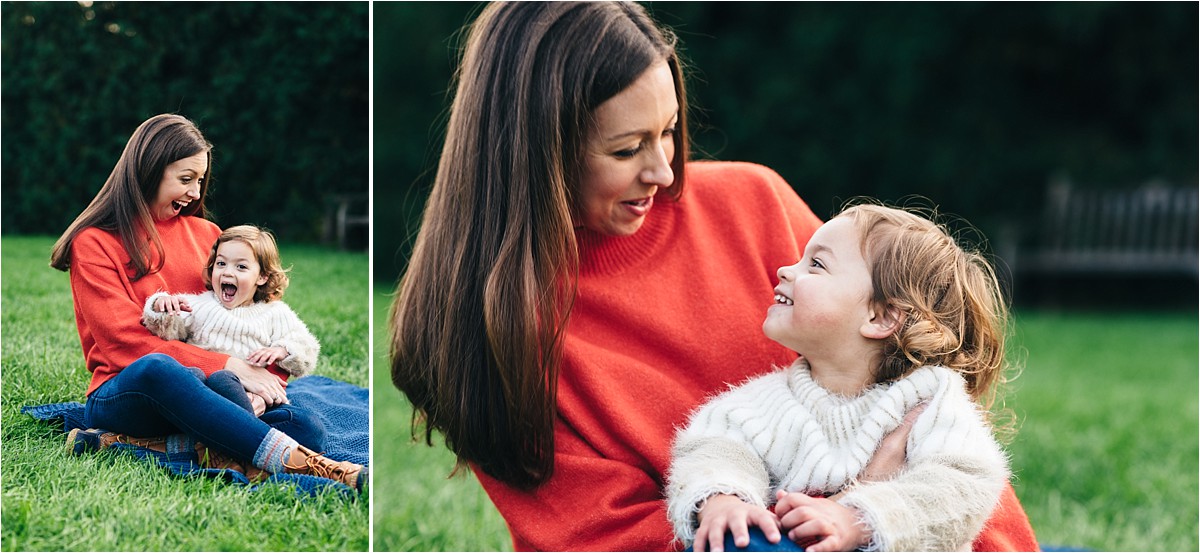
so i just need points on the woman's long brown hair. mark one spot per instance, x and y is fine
(122, 205)
(481, 311)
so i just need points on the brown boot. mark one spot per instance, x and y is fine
(80, 441)
(213, 459)
(306, 461)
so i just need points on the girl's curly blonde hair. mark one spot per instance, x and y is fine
(266, 253)
(954, 313)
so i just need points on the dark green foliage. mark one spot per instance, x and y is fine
(973, 105)
(279, 88)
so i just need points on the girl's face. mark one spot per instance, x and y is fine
(236, 274)
(823, 302)
(180, 186)
(628, 154)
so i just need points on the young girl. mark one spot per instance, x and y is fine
(887, 313)
(241, 314)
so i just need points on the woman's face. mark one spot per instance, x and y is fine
(180, 186)
(628, 154)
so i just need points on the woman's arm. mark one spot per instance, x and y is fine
(113, 317)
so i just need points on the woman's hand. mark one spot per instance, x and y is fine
(171, 305)
(892, 452)
(819, 524)
(728, 512)
(257, 380)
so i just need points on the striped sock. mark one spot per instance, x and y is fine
(273, 450)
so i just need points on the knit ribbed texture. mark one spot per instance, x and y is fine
(108, 305)
(783, 431)
(273, 451)
(239, 331)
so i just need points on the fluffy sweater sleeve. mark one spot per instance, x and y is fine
(293, 335)
(713, 455)
(953, 482)
(167, 326)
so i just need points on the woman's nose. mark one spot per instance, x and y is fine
(193, 191)
(659, 171)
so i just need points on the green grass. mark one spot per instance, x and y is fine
(53, 501)
(1105, 455)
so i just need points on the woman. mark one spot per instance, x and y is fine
(578, 287)
(145, 232)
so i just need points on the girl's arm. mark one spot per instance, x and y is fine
(293, 335)
(162, 316)
(952, 484)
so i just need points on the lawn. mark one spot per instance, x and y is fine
(1105, 456)
(53, 501)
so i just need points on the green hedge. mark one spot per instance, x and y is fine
(975, 105)
(280, 89)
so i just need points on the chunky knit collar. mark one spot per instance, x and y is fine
(602, 254)
(882, 402)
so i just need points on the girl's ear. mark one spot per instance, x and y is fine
(883, 321)
(262, 278)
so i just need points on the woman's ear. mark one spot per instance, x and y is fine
(883, 321)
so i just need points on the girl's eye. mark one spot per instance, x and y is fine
(242, 267)
(816, 264)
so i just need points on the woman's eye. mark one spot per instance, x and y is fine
(670, 131)
(628, 153)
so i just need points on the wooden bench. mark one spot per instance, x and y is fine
(350, 211)
(1150, 230)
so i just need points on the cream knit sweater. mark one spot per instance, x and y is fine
(783, 431)
(239, 331)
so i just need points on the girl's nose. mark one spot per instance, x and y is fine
(786, 273)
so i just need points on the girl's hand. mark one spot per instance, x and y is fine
(257, 380)
(265, 356)
(892, 452)
(172, 305)
(723, 512)
(819, 524)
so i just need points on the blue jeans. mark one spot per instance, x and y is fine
(156, 396)
(229, 386)
(758, 542)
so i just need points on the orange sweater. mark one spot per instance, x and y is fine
(662, 320)
(108, 305)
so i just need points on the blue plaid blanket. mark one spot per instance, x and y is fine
(343, 407)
